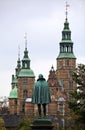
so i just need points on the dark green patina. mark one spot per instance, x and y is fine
(66, 44)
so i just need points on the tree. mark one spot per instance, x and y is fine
(24, 124)
(78, 102)
(2, 127)
(4, 105)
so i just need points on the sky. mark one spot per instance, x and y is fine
(43, 21)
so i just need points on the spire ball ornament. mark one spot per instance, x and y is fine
(67, 5)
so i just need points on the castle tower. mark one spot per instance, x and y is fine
(66, 60)
(17, 70)
(22, 86)
(26, 80)
(13, 96)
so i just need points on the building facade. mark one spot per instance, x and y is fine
(59, 80)
(22, 87)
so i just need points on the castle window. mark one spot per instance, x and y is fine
(69, 49)
(61, 49)
(67, 62)
(61, 105)
(25, 65)
(66, 37)
(25, 81)
(70, 96)
(61, 108)
(15, 102)
(70, 84)
(25, 94)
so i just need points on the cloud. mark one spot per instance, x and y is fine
(43, 20)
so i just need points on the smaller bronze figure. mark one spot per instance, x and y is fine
(41, 94)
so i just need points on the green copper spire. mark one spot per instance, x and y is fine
(18, 68)
(26, 60)
(19, 62)
(66, 44)
(14, 93)
(26, 71)
(66, 33)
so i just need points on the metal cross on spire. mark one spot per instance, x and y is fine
(67, 5)
(25, 37)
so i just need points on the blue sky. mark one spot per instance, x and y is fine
(43, 21)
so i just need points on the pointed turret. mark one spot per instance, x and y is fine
(66, 44)
(66, 60)
(26, 59)
(25, 70)
(18, 68)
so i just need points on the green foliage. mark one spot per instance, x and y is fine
(78, 101)
(2, 124)
(24, 124)
(79, 75)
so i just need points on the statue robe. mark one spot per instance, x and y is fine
(41, 92)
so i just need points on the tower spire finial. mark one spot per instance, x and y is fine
(25, 37)
(18, 52)
(67, 5)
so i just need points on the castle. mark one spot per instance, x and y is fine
(60, 80)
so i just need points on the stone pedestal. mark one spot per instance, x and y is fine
(42, 124)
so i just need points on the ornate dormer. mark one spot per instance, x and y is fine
(52, 78)
(52, 82)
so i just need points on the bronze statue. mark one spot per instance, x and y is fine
(41, 94)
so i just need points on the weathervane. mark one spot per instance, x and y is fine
(25, 37)
(67, 5)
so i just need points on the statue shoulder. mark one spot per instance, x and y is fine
(45, 83)
(37, 83)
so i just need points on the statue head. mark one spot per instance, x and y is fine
(40, 76)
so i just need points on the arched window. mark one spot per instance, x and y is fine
(61, 106)
(25, 65)
(67, 62)
(25, 94)
(70, 84)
